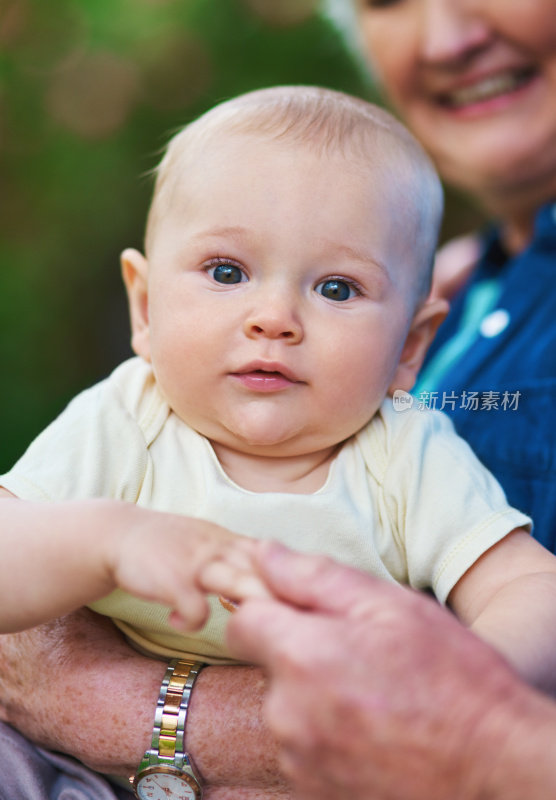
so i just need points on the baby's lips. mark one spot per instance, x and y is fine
(228, 604)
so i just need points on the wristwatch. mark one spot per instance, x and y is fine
(167, 772)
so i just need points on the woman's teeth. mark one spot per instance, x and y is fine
(486, 89)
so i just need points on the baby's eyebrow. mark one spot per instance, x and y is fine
(354, 254)
(225, 231)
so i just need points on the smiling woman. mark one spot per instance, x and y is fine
(476, 81)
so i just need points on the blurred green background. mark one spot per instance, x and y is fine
(90, 91)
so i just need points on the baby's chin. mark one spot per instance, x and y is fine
(279, 438)
(264, 434)
(255, 434)
(270, 446)
(264, 447)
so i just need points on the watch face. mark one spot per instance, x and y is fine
(166, 785)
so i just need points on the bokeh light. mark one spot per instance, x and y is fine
(94, 95)
(177, 71)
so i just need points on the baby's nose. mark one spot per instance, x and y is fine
(274, 322)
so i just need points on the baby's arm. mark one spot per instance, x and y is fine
(508, 597)
(57, 557)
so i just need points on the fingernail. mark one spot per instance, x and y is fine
(228, 604)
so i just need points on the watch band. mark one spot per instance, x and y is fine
(168, 739)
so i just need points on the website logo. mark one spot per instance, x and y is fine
(402, 401)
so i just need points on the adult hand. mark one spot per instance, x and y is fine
(377, 692)
(75, 685)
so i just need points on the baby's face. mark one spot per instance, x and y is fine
(277, 302)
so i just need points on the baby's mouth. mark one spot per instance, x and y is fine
(269, 372)
(488, 88)
(272, 369)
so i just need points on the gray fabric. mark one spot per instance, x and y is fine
(30, 773)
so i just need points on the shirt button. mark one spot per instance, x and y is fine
(495, 323)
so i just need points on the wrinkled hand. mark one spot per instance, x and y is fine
(375, 691)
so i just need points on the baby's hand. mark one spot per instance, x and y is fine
(163, 557)
(231, 575)
(233, 578)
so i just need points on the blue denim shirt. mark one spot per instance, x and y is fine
(500, 388)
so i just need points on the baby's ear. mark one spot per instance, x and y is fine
(421, 333)
(134, 272)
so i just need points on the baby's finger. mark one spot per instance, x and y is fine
(178, 622)
(191, 611)
(240, 553)
(236, 583)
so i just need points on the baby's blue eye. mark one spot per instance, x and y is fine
(335, 289)
(227, 273)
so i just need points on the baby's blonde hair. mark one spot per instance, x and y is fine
(326, 120)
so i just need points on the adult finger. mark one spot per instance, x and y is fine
(258, 628)
(237, 583)
(318, 583)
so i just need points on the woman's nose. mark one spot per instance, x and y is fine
(451, 30)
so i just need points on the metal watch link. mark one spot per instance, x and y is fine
(166, 771)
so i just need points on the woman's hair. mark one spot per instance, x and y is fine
(326, 121)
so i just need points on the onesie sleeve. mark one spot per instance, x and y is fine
(446, 509)
(95, 448)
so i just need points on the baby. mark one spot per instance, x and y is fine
(282, 296)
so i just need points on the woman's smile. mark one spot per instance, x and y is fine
(489, 93)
